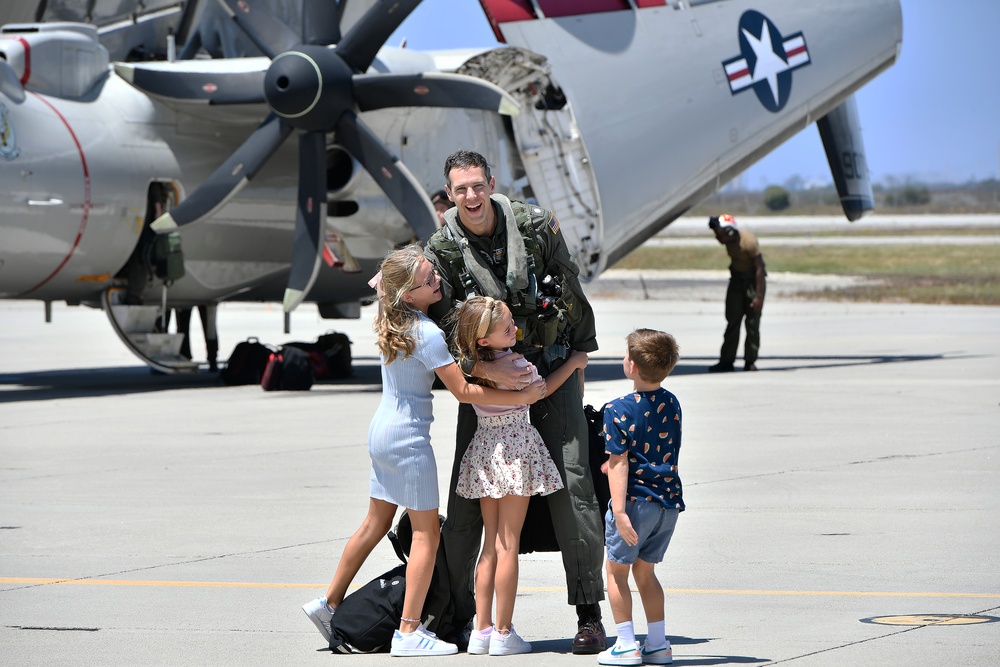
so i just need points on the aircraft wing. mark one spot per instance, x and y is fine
(702, 89)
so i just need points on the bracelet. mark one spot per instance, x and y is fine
(409, 620)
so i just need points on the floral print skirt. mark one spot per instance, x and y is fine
(507, 457)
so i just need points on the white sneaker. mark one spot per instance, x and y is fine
(508, 644)
(479, 641)
(657, 656)
(320, 613)
(620, 655)
(419, 642)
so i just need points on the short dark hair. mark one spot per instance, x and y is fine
(654, 353)
(464, 159)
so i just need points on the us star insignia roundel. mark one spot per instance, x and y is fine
(766, 61)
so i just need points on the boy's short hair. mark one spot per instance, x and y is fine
(654, 353)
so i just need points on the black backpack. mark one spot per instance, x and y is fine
(537, 533)
(366, 619)
(330, 355)
(246, 363)
(336, 348)
(288, 369)
(598, 455)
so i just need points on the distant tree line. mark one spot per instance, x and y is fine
(908, 197)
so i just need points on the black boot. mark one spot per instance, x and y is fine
(590, 637)
(212, 348)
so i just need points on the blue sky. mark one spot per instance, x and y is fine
(935, 115)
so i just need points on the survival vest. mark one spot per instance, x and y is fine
(544, 329)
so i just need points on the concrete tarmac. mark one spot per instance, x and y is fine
(843, 502)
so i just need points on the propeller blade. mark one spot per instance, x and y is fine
(310, 218)
(431, 89)
(268, 33)
(228, 179)
(215, 87)
(362, 42)
(320, 22)
(392, 176)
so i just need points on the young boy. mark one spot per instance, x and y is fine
(642, 433)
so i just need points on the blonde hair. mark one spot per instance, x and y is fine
(654, 353)
(395, 318)
(472, 320)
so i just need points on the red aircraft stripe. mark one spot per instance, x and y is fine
(505, 11)
(27, 57)
(795, 52)
(740, 74)
(86, 195)
(555, 8)
(27, 60)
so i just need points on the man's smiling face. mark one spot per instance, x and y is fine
(470, 191)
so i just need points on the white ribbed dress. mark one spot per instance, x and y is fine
(399, 438)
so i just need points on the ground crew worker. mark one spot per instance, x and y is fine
(441, 204)
(744, 296)
(509, 250)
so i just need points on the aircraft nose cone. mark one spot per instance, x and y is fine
(293, 84)
(309, 87)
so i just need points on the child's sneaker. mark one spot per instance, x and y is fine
(508, 644)
(657, 656)
(479, 641)
(419, 642)
(620, 655)
(320, 613)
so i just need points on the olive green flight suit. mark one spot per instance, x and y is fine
(559, 418)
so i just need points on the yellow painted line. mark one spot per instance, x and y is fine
(534, 589)
(132, 582)
(859, 594)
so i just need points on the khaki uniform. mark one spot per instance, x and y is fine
(741, 291)
(548, 337)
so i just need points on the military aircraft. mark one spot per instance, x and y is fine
(146, 160)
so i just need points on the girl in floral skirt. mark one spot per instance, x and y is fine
(505, 465)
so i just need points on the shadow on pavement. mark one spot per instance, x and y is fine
(562, 646)
(604, 369)
(122, 380)
(113, 381)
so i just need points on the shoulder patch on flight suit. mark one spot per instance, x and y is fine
(554, 224)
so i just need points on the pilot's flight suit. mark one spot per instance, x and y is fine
(548, 337)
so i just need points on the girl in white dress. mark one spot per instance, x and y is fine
(412, 350)
(506, 463)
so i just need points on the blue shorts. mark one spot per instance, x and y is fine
(652, 522)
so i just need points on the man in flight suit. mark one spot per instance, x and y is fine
(744, 296)
(513, 251)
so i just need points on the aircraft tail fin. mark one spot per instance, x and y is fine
(845, 151)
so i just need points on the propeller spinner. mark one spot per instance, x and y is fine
(315, 89)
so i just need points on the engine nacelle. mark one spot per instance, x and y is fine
(63, 60)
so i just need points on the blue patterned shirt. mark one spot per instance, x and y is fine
(647, 426)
